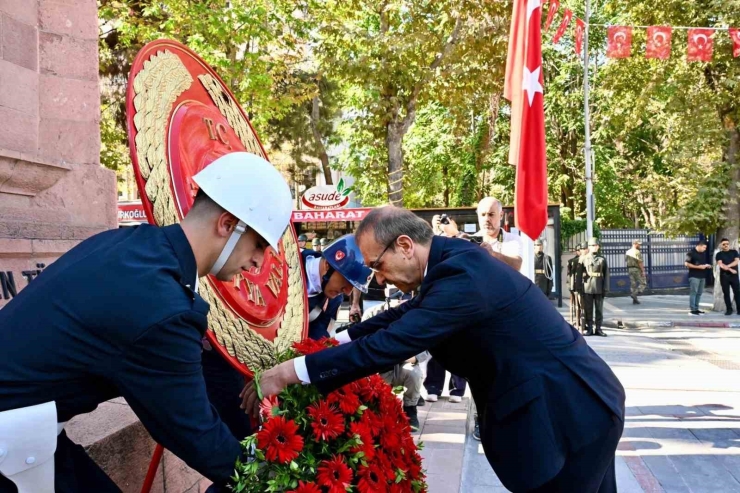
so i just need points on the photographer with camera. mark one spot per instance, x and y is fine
(501, 244)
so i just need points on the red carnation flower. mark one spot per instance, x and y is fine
(368, 446)
(327, 423)
(334, 474)
(345, 398)
(269, 406)
(309, 346)
(372, 480)
(306, 488)
(372, 422)
(372, 387)
(279, 441)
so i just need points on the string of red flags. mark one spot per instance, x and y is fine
(700, 46)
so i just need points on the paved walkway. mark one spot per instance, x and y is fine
(660, 311)
(682, 432)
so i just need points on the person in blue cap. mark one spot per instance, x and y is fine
(329, 274)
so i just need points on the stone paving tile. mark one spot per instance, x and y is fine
(704, 474)
(442, 430)
(666, 474)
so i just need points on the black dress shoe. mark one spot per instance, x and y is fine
(728, 312)
(600, 332)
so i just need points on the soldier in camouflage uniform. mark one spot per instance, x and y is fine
(636, 270)
(595, 287)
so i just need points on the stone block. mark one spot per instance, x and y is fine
(21, 174)
(88, 195)
(20, 43)
(76, 18)
(177, 475)
(25, 11)
(19, 88)
(69, 99)
(125, 456)
(18, 131)
(68, 57)
(71, 141)
(14, 246)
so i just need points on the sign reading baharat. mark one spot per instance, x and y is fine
(181, 117)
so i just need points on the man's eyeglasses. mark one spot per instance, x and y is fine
(374, 266)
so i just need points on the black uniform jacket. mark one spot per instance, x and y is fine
(540, 390)
(115, 317)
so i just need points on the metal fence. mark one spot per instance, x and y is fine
(663, 256)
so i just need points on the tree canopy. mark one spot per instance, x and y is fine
(405, 96)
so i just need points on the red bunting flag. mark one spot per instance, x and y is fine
(735, 35)
(567, 17)
(524, 81)
(580, 31)
(701, 45)
(659, 42)
(554, 6)
(619, 44)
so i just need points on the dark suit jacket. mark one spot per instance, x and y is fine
(541, 392)
(115, 317)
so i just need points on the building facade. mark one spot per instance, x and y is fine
(53, 191)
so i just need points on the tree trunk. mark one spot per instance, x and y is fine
(394, 143)
(731, 226)
(320, 148)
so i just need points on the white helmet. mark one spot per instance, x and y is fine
(253, 191)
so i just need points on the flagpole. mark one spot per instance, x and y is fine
(587, 125)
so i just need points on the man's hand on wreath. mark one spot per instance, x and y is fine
(272, 382)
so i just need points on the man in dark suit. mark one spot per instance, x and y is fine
(551, 411)
(73, 338)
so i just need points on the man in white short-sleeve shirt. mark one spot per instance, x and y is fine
(505, 246)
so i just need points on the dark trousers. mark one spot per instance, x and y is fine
(727, 282)
(591, 301)
(591, 469)
(223, 385)
(74, 472)
(435, 380)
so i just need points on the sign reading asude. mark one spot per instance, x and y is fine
(324, 197)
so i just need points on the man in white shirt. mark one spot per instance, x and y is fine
(502, 245)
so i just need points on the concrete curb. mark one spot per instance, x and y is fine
(651, 324)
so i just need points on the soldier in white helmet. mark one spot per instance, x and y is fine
(73, 339)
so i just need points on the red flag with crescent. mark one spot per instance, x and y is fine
(701, 45)
(619, 42)
(735, 35)
(659, 42)
(551, 11)
(525, 83)
(567, 17)
(580, 31)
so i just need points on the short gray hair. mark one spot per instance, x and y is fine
(388, 223)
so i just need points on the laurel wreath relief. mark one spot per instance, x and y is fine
(157, 86)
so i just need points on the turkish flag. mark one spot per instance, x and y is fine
(524, 81)
(735, 35)
(619, 42)
(567, 17)
(513, 77)
(701, 45)
(580, 31)
(554, 6)
(659, 42)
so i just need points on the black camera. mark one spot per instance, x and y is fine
(444, 219)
